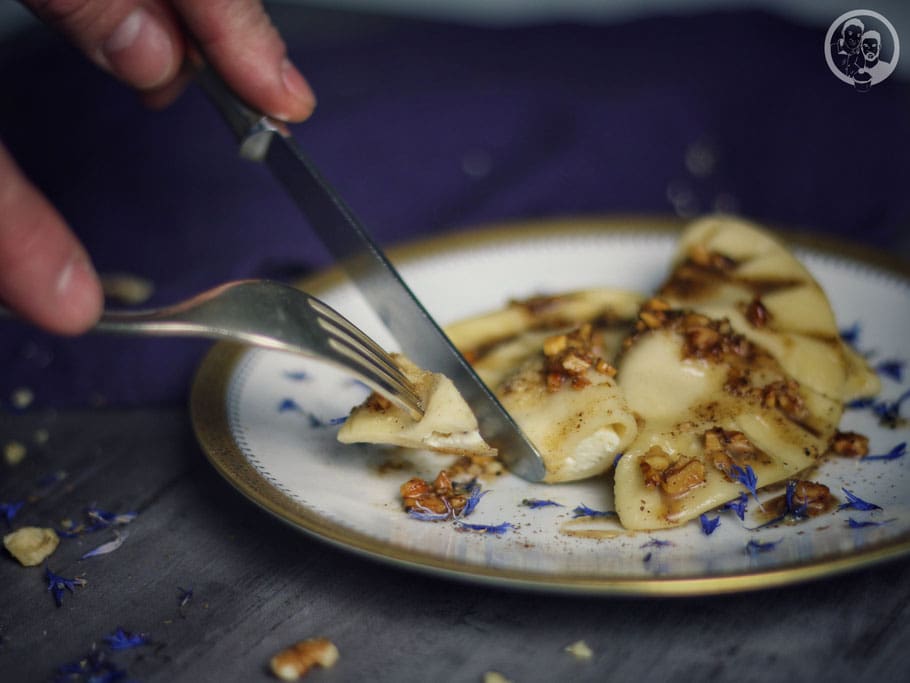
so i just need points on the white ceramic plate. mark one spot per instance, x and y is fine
(268, 420)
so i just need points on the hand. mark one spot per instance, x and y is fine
(45, 274)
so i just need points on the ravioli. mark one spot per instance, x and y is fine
(730, 378)
(737, 372)
(545, 359)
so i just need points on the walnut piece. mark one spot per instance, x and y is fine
(293, 662)
(31, 545)
(673, 478)
(579, 650)
(850, 444)
(569, 356)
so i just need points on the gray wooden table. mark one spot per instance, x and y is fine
(258, 586)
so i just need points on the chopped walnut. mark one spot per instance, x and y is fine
(293, 662)
(377, 402)
(569, 356)
(850, 444)
(705, 338)
(723, 449)
(784, 395)
(756, 313)
(811, 497)
(673, 478)
(31, 545)
(580, 650)
(440, 497)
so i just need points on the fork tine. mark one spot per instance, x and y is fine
(339, 320)
(399, 392)
(355, 337)
(350, 341)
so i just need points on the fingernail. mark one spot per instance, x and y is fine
(78, 287)
(125, 34)
(296, 85)
(140, 50)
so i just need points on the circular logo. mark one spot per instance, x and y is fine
(861, 48)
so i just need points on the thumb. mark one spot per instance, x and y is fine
(139, 42)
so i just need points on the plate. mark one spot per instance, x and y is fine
(268, 420)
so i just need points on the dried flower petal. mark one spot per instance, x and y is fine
(95, 667)
(495, 529)
(851, 334)
(738, 506)
(856, 503)
(891, 368)
(708, 526)
(106, 548)
(856, 524)
(58, 584)
(584, 511)
(9, 510)
(125, 640)
(754, 547)
(897, 452)
(535, 503)
(184, 596)
(657, 543)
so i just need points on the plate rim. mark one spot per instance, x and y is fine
(210, 420)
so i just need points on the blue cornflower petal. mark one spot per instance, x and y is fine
(856, 503)
(9, 510)
(738, 506)
(584, 511)
(754, 547)
(58, 584)
(708, 526)
(124, 640)
(535, 503)
(184, 596)
(891, 368)
(289, 405)
(856, 524)
(897, 452)
(656, 543)
(106, 548)
(473, 499)
(860, 403)
(495, 529)
(851, 334)
(746, 477)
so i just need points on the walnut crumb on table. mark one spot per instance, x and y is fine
(31, 545)
(580, 650)
(495, 677)
(294, 662)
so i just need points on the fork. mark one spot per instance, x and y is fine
(275, 316)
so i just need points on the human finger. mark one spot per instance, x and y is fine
(45, 273)
(240, 41)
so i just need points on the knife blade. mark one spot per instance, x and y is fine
(270, 142)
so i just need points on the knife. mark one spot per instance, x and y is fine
(268, 141)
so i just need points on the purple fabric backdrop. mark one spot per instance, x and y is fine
(426, 128)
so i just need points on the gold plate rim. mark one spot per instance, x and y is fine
(208, 401)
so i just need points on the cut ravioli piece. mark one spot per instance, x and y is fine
(568, 404)
(447, 425)
(550, 378)
(716, 409)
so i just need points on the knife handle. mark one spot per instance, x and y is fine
(253, 130)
